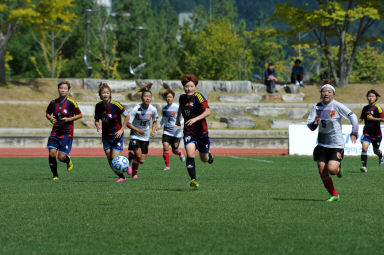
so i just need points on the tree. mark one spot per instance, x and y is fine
(333, 22)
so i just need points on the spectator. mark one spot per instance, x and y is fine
(297, 75)
(270, 78)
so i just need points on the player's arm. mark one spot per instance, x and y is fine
(120, 132)
(50, 117)
(313, 119)
(138, 130)
(204, 115)
(351, 116)
(154, 128)
(380, 118)
(73, 118)
(178, 117)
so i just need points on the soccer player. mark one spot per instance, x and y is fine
(61, 112)
(372, 115)
(195, 109)
(171, 134)
(329, 152)
(108, 119)
(139, 121)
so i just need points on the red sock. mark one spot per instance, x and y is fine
(135, 167)
(179, 153)
(328, 184)
(166, 157)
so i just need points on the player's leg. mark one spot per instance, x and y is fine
(175, 148)
(365, 141)
(53, 163)
(190, 148)
(166, 151)
(204, 145)
(376, 150)
(114, 153)
(64, 150)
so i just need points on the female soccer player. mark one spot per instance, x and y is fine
(139, 121)
(108, 119)
(61, 112)
(372, 115)
(329, 152)
(171, 134)
(194, 108)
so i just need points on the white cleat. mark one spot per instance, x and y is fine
(381, 161)
(182, 157)
(363, 169)
(167, 168)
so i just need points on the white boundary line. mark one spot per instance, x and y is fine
(260, 160)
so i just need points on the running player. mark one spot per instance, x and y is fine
(108, 119)
(195, 109)
(329, 152)
(171, 134)
(139, 121)
(61, 112)
(372, 115)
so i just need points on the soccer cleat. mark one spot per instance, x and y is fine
(297, 83)
(55, 178)
(134, 176)
(340, 173)
(210, 158)
(69, 164)
(363, 169)
(302, 84)
(193, 184)
(167, 168)
(381, 161)
(121, 180)
(182, 157)
(129, 170)
(333, 198)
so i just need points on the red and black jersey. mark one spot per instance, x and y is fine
(67, 108)
(110, 115)
(190, 108)
(372, 128)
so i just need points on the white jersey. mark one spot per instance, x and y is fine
(168, 119)
(141, 118)
(330, 132)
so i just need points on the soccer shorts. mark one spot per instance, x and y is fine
(375, 140)
(172, 140)
(113, 143)
(64, 145)
(324, 154)
(202, 143)
(136, 143)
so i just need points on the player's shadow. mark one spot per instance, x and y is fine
(173, 190)
(298, 199)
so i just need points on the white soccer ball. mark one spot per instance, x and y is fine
(120, 164)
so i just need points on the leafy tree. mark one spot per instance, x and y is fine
(333, 22)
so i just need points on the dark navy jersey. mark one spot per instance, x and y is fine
(68, 108)
(372, 128)
(190, 108)
(110, 115)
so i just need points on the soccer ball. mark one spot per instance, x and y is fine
(120, 164)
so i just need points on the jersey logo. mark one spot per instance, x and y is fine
(338, 155)
(173, 113)
(332, 113)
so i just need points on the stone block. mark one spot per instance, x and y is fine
(80, 96)
(252, 98)
(297, 113)
(88, 122)
(291, 89)
(156, 84)
(265, 111)
(75, 83)
(87, 109)
(238, 122)
(284, 124)
(205, 87)
(293, 98)
(271, 98)
(225, 110)
(259, 88)
(217, 125)
(232, 86)
(173, 84)
(116, 86)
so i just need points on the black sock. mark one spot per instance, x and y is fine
(66, 160)
(380, 155)
(53, 165)
(190, 163)
(364, 158)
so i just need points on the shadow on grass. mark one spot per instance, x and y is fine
(298, 199)
(174, 190)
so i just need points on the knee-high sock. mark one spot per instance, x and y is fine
(53, 165)
(364, 158)
(178, 153)
(328, 184)
(190, 163)
(130, 156)
(135, 166)
(66, 160)
(166, 157)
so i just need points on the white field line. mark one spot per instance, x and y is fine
(254, 159)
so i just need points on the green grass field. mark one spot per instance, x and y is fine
(245, 205)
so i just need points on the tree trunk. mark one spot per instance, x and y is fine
(2, 65)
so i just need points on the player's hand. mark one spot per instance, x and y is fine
(52, 119)
(65, 119)
(153, 132)
(190, 122)
(98, 128)
(353, 138)
(178, 126)
(119, 133)
(369, 117)
(141, 131)
(316, 120)
(158, 128)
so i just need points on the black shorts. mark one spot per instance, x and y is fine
(172, 140)
(135, 143)
(324, 154)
